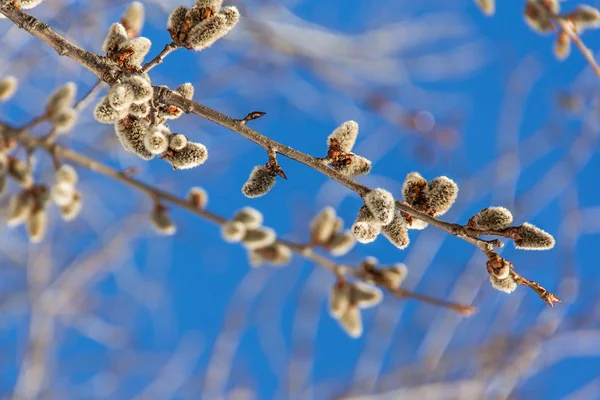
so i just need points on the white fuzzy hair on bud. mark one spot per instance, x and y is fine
(250, 217)
(339, 299)
(396, 231)
(198, 197)
(117, 36)
(61, 98)
(213, 5)
(19, 208)
(131, 132)
(191, 156)
(537, 17)
(259, 237)
(8, 87)
(533, 238)
(366, 228)
(413, 188)
(139, 110)
(351, 321)
(177, 141)
(20, 172)
(323, 226)
(491, 219)
(176, 20)
(233, 231)
(341, 243)
(65, 120)
(488, 7)
(156, 139)
(365, 296)
(259, 183)
(162, 221)
(186, 90)
(62, 193)
(72, 210)
(506, 285)
(208, 31)
(394, 275)
(120, 96)
(441, 192)
(381, 204)
(139, 46)
(354, 165)
(133, 19)
(344, 136)
(106, 114)
(141, 87)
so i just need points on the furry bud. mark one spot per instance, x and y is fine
(177, 141)
(207, 32)
(339, 298)
(381, 204)
(37, 223)
(62, 193)
(139, 110)
(533, 238)
(176, 21)
(488, 7)
(275, 254)
(491, 219)
(344, 137)
(139, 46)
(61, 99)
(120, 96)
(191, 156)
(341, 243)
(351, 321)
(131, 133)
(537, 17)
(562, 46)
(396, 232)
(366, 228)
(19, 172)
(19, 209)
(141, 88)
(198, 197)
(117, 37)
(585, 17)
(414, 189)
(258, 238)
(133, 19)
(365, 296)
(8, 87)
(323, 226)
(66, 173)
(442, 192)
(352, 165)
(72, 210)
(233, 231)
(212, 5)
(161, 221)
(156, 139)
(394, 275)
(64, 120)
(506, 285)
(186, 90)
(250, 217)
(106, 114)
(259, 183)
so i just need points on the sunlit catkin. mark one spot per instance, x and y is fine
(62, 98)
(488, 7)
(250, 217)
(351, 321)
(19, 208)
(396, 231)
(394, 275)
(323, 226)
(37, 224)
(140, 86)
(162, 221)
(259, 183)
(352, 165)
(133, 19)
(198, 197)
(131, 133)
(533, 238)
(20, 172)
(72, 210)
(177, 141)
(207, 32)
(491, 219)
(106, 114)
(120, 96)
(259, 237)
(506, 285)
(8, 87)
(441, 193)
(233, 231)
(64, 120)
(339, 298)
(191, 156)
(343, 137)
(156, 139)
(341, 243)
(366, 228)
(381, 204)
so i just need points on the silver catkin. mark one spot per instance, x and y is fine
(139, 110)
(339, 298)
(65, 120)
(207, 32)
(133, 19)
(37, 224)
(341, 243)
(506, 285)
(366, 228)
(191, 156)
(20, 172)
(441, 192)
(61, 98)
(62, 193)
(533, 238)
(344, 136)
(381, 204)
(177, 141)
(213, 5)
(365, 296)
(259, 237)
(156, 140)
(131, 133)
(198, 197)
(176, 20)
(233, 231)
(414, 189)
(117, 36)
(357, 166)
(186, 90)
(162, 221)
(396, 231)
(141, 87)
(106, 114)
(140, 46)
(351, 321)
(259, 183)
(250, 217)
(537, 17)
(491, 219)
(120, 96)
(19, 208)
(323, 226)
(394, 275)
(8, 87)
(72, 210)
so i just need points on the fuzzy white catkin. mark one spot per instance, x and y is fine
(413, 187)
(323, 225)
(131, 133)
(259, 183)
(20, 172)
(250, 217)
(141, 87)
(140, 46)
(351, 321)
(488, 7)
(381, 204)
(491, 218)
(537, 17)
(139, 110)
(162, 221)
(441, 192)
(281, 255)
(344, 136)
(198, 197)
(62, 98)
(365, 296)
(339, 299)
(19, 208)
(207, 32)
(191, 156)
(417, 224)
(120, 96)
(177, 141)
(396, 231)
(341, 243)
(72, 210)
(176, 20)
(186, 90)
(116, 37)
(156, 141)
(533, 238)
(366, 228)
(8, 87)
(507, 285)
(106, 114)
(395, 274)
(584, 17)
(233, 231)
(213, 5)
(358, 166)
(62, 193)
(65, 120)
(37, 224)
(133, 19)
(259, 237)
(562, 46)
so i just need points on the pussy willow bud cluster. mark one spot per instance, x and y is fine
(200, 26)
(160, 218)
(497, 220)
(29, 205)
(545, 17)
(26, 5)
(261, 242)
(339, 151)
(59, 109)
(139, 124)
(327, 232)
